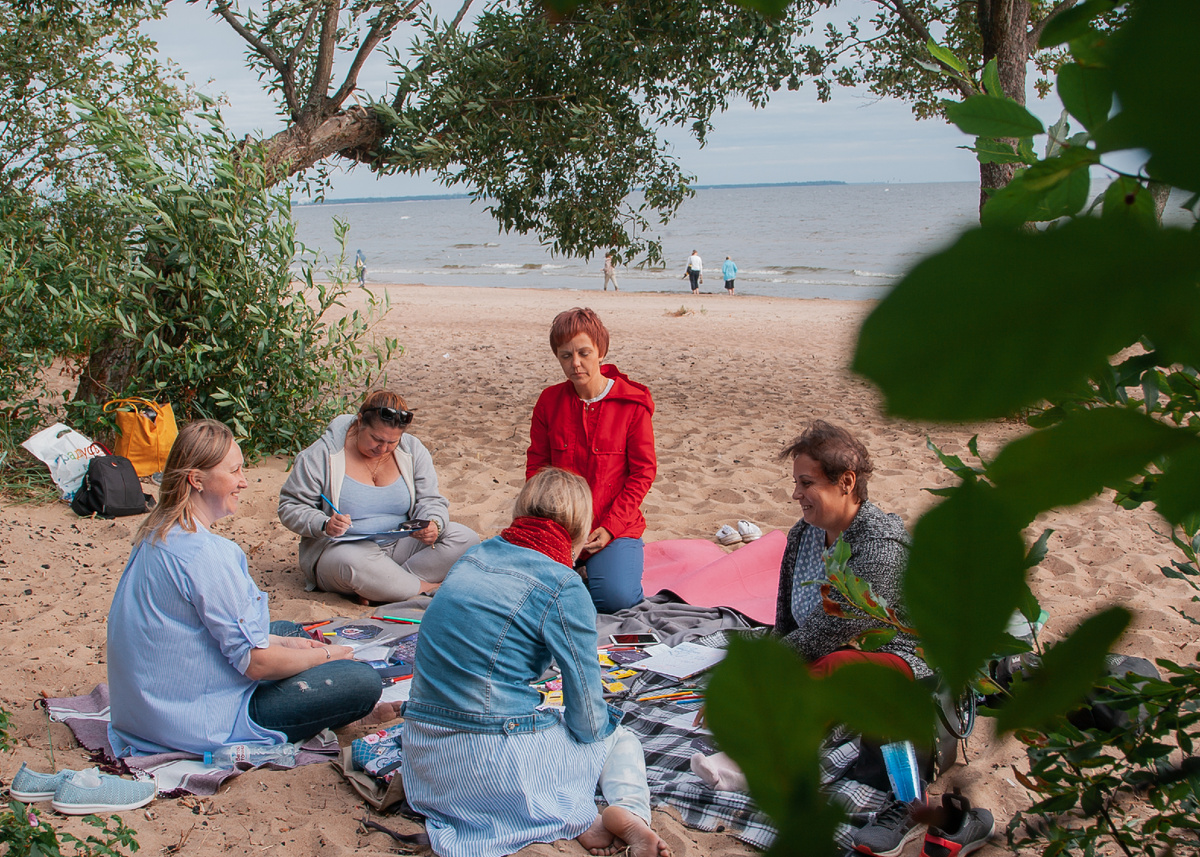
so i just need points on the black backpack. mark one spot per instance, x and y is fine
(110, 489)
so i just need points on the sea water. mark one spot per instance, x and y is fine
(848, 242)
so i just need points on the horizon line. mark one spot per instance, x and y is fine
(434, 197)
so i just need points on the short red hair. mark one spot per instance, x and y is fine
(572, 322)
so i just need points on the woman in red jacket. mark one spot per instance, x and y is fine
(597, 424)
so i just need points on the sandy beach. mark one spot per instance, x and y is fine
(732, 378)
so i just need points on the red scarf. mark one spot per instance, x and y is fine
(542, 535)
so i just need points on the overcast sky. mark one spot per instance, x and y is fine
(854, 138)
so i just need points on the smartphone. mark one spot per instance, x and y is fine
(634, 639)
(410, 526)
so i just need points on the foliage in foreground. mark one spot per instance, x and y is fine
(1032, 319)
(1094, 785)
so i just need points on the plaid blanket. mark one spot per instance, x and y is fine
(670, 742)
(174, 773)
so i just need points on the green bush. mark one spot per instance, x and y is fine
(174, 282)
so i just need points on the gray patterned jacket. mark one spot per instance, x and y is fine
(878, 554)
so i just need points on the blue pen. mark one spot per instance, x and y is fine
(336, 510)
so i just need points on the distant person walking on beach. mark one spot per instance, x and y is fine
(360, 267)
(695, 271)
(729, 272)
(610, 272)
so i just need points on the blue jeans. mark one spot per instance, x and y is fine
(614, 575)
(328, 696)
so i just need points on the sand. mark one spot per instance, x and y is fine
(733, 379)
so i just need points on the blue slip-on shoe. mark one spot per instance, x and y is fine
(29, 786)
(88, 792)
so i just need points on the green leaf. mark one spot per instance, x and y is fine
(987, 116)
(1070, 24)
(1155, 50)
(776, 744)
(966, 551)
(989, 150)
(876, 638)
(1086, 93)
(945, 56)
(991, 79)
(1036, 328)
(1178, 494)
(1128, 200)
(1050, 189)
(1076, 459)
(879, 702)
(1069, 671)
(1038, 550)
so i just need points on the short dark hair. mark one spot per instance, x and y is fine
(837, 451)
(570, 323)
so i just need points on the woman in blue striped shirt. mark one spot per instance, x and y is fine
(491, 769)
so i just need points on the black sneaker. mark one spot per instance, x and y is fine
(893, 828)
(964, 830)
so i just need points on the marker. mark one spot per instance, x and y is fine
(401, 620)
(317, 625)
(336, 510)
(329, 633)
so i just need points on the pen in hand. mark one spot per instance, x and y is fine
(338, 524)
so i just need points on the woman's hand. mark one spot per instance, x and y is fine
(337, 525)
(597, 540)
(428, 534)
(336, 653)
(284, 657)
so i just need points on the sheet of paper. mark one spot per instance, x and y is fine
(397, 692)
(686, 659)
(687, 721)
(372, 653)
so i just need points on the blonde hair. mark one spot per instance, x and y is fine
(201, 445)
(560, 496)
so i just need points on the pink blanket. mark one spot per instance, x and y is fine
(701, 573)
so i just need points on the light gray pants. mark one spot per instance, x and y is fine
(623, 780)
(391, 572)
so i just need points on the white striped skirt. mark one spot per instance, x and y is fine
(490, 795)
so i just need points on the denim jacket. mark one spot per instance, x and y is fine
(502, 613)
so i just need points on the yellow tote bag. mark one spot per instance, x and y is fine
(146, 433)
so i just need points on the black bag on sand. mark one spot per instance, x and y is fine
(110, 489)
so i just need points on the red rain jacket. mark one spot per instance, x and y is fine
(617, 458)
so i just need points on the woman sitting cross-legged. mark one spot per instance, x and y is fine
(350, 492)
(194, 662)
(489, 769)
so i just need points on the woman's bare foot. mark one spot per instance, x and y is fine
(596, 839)
(642, 841)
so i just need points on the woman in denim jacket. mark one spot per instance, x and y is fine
(490, 769)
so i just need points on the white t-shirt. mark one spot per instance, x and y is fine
(694, 262)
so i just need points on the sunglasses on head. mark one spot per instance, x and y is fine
(393, 416)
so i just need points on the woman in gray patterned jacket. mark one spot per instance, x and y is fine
(831, 468)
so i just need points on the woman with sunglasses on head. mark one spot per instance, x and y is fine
(354, 496)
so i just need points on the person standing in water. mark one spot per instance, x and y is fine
(610, 272)
(729, 272)
(695, 271)
(360, 267)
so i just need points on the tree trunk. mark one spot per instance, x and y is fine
(352, 133)
(109, 370)
(1004, 28)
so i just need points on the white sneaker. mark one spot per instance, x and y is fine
(748, 531)
(727, 535)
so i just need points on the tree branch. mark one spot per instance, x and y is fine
(462, 12)
(318, 91)
(915, 24)
(1035, 32)
(380, 30)
(260, 47)
(289, 81)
